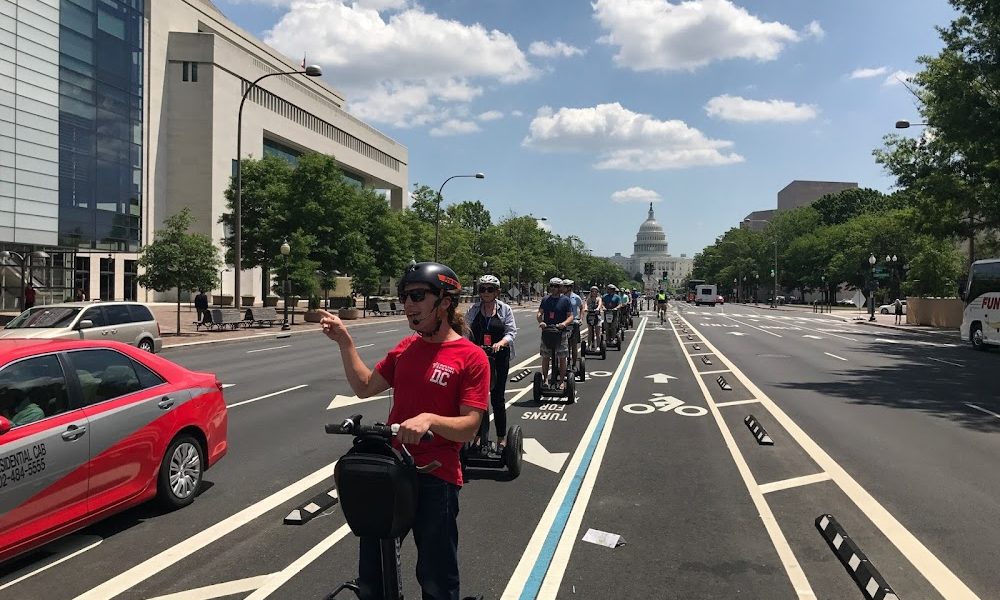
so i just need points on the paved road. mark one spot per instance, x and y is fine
(871, 425)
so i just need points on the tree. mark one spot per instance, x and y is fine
(844, 205)
(178, 259)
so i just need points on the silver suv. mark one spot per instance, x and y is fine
(128, 322)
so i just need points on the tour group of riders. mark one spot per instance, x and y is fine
(441, 383)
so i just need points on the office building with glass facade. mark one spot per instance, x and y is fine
(115, 114)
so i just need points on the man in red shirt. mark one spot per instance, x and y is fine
(441, 383)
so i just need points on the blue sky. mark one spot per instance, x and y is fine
(583, 112)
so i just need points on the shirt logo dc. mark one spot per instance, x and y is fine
(441, 373)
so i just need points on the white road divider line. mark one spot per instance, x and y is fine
(737, 402)
(784, 484)
(174, 554)
(947, 362)
(788, 560)
(386, 331)
(219, 590)
(923, 560)
(835, 356)
(364, 346)
(291, 389)
(980, 409)
(60, 560)
(271, 348)
(713, 372)
(280, 578)
(754, 327)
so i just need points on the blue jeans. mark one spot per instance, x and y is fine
(435, 532)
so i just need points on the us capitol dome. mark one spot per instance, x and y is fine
(650, 247)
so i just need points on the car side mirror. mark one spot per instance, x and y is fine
(85, 324)
(5, 425)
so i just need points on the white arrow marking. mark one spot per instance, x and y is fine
(341, 401)
(219, 590)
(660, 377)
(537, 455)
(227, 385)
(735, 333)
(812, 337)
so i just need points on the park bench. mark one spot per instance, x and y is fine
(225, 317)
(261, 315)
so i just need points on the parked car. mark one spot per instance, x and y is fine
(890, 309)
(720, 300)
(88, 429)
(845, 302)
(126, 322)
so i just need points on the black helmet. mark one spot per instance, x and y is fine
(435, 275)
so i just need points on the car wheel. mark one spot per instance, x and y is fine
(146, 345)
(976, 337)
(180, 473)
(884, 311)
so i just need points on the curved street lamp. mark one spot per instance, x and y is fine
(871, 288)
(437, 212)
(310, 71)
(904, 124)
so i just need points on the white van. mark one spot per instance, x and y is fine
(705, 294)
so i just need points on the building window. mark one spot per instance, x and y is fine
(107, 279)
(194, 71)
(184, 70)
(131, 280)
(81, 275)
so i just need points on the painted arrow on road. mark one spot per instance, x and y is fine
(735, 333)
(341, 401)
(538, 455)
(660, 377)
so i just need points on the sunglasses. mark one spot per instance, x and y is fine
(413, 295)
(487, 288)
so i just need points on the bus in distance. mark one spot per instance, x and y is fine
(981, 315)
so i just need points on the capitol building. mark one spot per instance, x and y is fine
(651, 247)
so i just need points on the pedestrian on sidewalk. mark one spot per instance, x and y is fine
(29, 296)
(201, 304)
(899, 311)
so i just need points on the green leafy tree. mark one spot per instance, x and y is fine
(179, 260)
(844, 205)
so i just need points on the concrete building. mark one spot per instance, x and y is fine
(795, 194)
(116, 114)
(651, 247)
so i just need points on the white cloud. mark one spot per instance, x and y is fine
(626, 140)
(490, 115)
(814, 30)
(742, 110)
(897, 78)
(558, 49)
(635, 194)
(516, 113)
(396, 62)
(659, 35)
(868, 72)
(454, 127)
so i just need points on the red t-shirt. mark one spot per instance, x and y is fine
(436, 378)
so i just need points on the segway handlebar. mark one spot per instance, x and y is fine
(353, 426)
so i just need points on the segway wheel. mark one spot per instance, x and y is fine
(581, 373)
(536, 387)
(571, 391)
(622, 336)
(583, 347)
(604, 351)
(513, 450)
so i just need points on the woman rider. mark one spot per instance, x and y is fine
(491, 323)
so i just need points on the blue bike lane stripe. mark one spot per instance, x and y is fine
(538, 572)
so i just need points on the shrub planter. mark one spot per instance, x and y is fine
(247, 300)
(312, 316)
(270, 300)
(348, 313)
(223, 300)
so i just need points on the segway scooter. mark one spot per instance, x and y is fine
(612, 330)
(593, 319)
(551, 338)
(578, 366)
(484, 454)
(377, 487)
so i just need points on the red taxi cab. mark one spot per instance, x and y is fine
(88, 429)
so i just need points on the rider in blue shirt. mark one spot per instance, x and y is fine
(574, 336)
(557, 310)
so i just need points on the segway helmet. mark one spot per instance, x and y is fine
(489, 280)
(568, 282)
(436, 276)
(555, 281)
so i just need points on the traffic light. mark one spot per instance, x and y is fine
(648, 268)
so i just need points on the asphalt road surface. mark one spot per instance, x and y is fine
(895, 434)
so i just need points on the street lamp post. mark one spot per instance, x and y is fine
(774, 297)
(310, 71)
(890, 261)
(285, 251)
(826, 292)
(437, 212)
(25, 260)
(222, 291)
(871, 288)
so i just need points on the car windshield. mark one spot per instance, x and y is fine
(44, 317)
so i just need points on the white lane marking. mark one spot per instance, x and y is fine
(737, 402)
(291, 389)
(948, 362)
(784, 484)
(714, 372)
(753, 326)
(532, 552)
(979, 408)
(925, 562)
(812, 337)
(537, 454)
(227, 385)
(386, 331)
(271, 348)
(814, 331)
(364, 346)
(835, 356)
(61, 560)
(701, 354)
(798, 579)
(278, 579)
(219, 590)
(170, 556)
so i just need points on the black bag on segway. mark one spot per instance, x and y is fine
(552, 337)
(377, 489)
